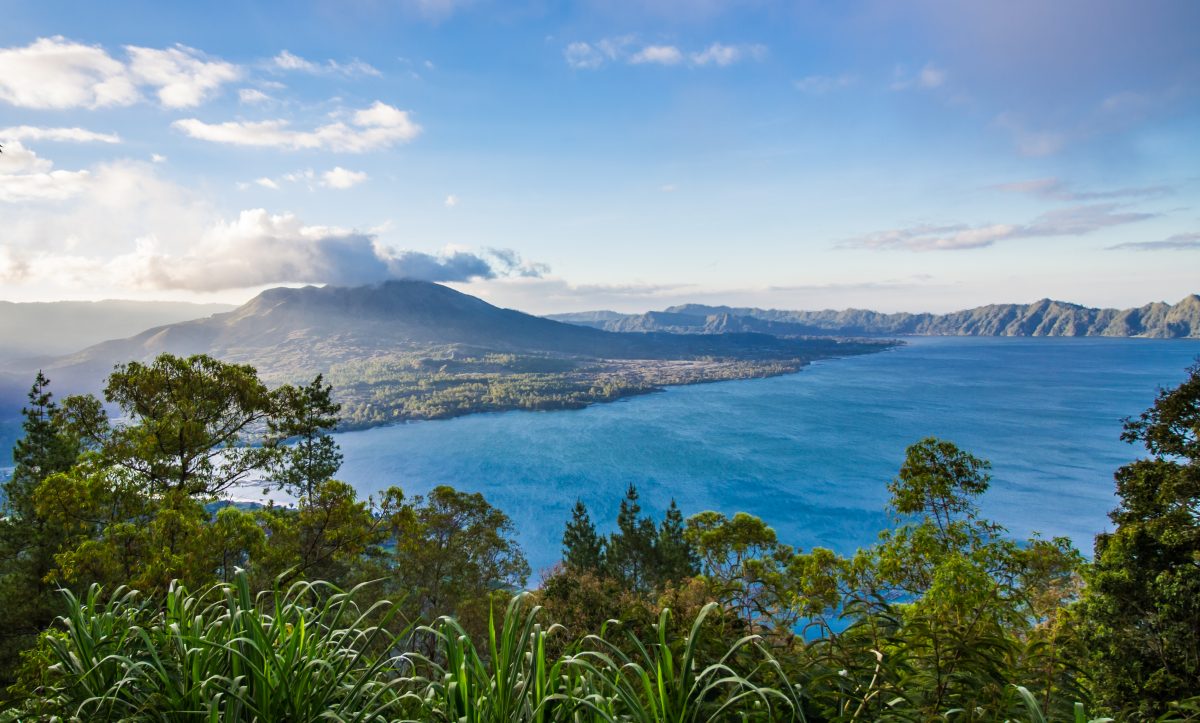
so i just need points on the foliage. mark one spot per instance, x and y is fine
(946, 617)
(451, 552)
(1142, 605)
(305, 415)
(302, 653)
(188, 421)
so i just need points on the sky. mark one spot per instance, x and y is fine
(926, 155)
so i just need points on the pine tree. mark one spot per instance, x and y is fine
(306, 415)
(27, 541)
(583, 550)
(674, 557)
(41, 452)
(631, 552)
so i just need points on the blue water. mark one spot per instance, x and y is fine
(811, 452)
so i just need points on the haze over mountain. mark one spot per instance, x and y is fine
(1041, 318)
(54, 328)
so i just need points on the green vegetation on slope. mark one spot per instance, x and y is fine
(449, 382)
(388, 608)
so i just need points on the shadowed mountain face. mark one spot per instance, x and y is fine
(288, 333)
(1041, 318)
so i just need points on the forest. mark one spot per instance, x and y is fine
(134, 587)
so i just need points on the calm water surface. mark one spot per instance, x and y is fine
(811, 452)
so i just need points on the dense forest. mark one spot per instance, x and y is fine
(132, 587)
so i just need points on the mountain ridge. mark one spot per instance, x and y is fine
(1045, 317)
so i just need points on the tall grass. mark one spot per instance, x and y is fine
(306, 653)
(310, 653)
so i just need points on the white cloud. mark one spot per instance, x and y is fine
(927, 78)
(1073, 221)
(590, 56)
(26, 177)
(1178, 242)
(342, 178)
(379, 126)
(56, 73)
(659, 54)
(337, 177)
(128, 229)
(183, 76)
(820, 84)
(289, 61)
(158, 158)
(1055, 189)
(583, 56)
(252, 96)
(70, 135)
(451, 201)
(723, 55)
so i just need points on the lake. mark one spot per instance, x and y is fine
(811, 453)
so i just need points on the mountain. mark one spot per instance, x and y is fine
(31, 330)
(413, 350)
(310, 329)
(1041, 318)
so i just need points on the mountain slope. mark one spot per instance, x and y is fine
(312, 328)
(417, 350)
(42, 329)
(1041, 318)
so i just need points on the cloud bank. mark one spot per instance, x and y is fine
(625, 49)
(1178, 242)
(1073, 221)
(57, 73)
(371, 128)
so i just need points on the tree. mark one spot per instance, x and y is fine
(583, 550)
(451, 552)
(630, 554)
(42, 451)
(305, 416)
(28, 540)
(1142, 604)
(189, 421)
(674, 558)
(329, 536)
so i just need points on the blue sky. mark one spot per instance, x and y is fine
(552, 156)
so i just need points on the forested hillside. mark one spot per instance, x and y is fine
(403, 350)
(133, 589)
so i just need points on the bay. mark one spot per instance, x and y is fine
(812, 452)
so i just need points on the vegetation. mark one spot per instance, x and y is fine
(442, 382)
(131, 592)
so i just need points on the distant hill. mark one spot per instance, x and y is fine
(1041, 318)
(418, 350)
(301, 330)
(46, 329)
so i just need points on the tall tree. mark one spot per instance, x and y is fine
(452, 551)
(188, 423)
(582, 548)
(42, 451)
(1142, 603)
(304, 417)
(674, 557)
(630, 553)
(28, 540)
